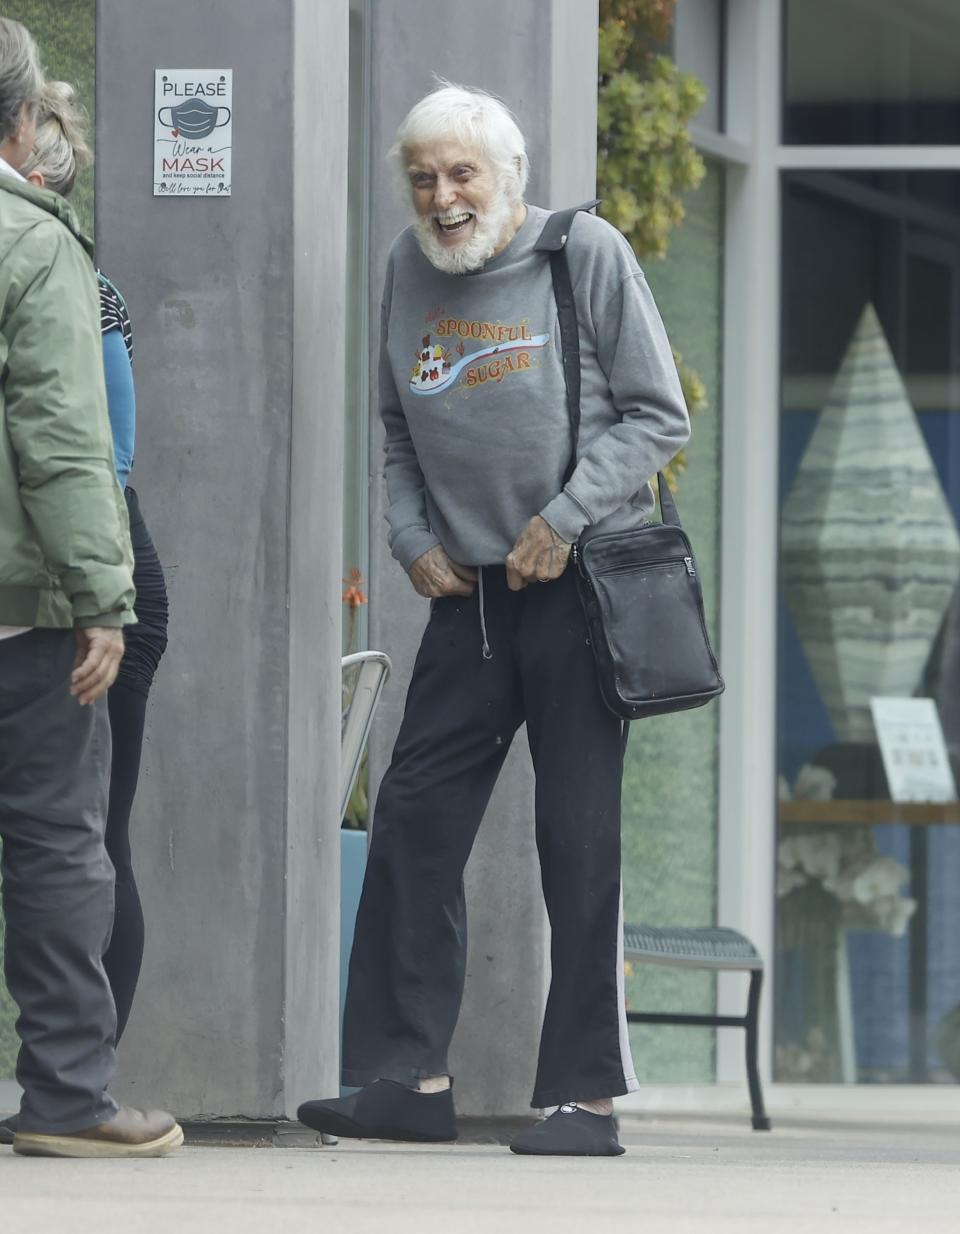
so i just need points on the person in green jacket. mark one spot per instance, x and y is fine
(66, 591)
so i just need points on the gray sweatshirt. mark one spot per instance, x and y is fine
(473, 401)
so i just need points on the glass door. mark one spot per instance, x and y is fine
(868, 853)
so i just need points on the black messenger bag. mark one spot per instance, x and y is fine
(639, 588)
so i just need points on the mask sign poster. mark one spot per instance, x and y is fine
(192, 133)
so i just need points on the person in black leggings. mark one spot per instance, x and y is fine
(127, 704)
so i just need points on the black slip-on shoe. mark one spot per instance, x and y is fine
(384, 1110)
(570, 1132)
(8, 1128)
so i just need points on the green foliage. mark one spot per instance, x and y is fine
(646, 161)
(65, 31)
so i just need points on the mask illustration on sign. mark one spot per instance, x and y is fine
(194, 119)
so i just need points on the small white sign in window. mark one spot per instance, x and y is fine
(914, 752)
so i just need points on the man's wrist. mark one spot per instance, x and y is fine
(556, 537)
(106, 621)
(409, 546)
(565, 516)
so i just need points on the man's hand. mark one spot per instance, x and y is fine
(434, 575)
(538, 556)
(99, 652)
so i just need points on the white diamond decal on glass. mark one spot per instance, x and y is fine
(870, 554)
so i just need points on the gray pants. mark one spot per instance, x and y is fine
(57, 883)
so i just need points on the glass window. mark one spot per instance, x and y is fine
(698, 36)
(872, 72)
(670, 775)
(868, 907)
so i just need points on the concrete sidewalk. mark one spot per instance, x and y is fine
(678, 1177)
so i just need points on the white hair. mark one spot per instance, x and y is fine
(474, 117)
(21, 78)
(60, 148)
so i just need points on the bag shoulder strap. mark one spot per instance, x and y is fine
(553, 240)
(557, 227)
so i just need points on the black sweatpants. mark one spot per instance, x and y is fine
(462, 710)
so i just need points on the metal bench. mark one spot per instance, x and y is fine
(719, 950)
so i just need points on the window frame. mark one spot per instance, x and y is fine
(756, 158)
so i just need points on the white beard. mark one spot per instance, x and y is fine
(488, 228)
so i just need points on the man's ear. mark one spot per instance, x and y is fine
(35, 178)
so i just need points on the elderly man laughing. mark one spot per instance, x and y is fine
(477, 446)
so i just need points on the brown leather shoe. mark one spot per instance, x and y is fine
(130, 1133)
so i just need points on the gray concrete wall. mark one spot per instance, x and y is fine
(540, 57)
(237, 310)
(320, 140)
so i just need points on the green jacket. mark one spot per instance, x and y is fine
(65, 556)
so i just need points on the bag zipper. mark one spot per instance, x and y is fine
(638, 567)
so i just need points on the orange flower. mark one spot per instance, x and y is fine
(354, 595)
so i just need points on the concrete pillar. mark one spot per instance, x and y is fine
(238, 312)
(541, 58)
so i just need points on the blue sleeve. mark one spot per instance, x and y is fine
(121, 401)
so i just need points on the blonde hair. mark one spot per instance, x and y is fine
(60, 150)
